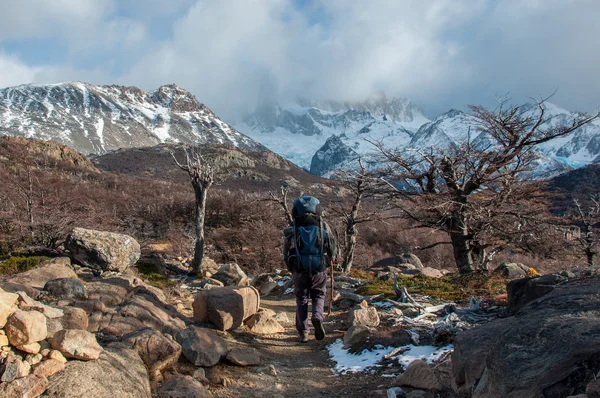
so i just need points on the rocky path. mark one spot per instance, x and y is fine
(300, 369)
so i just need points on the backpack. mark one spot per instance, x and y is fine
(306, 243)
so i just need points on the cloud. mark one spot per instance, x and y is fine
(13, 72)
(441, 53)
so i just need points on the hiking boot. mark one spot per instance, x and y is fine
(319, 331)
(304, 338)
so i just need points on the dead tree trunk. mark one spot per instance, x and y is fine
(202, 177)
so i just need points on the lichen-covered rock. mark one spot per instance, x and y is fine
(77, 344)
(104, 251)
(26, 327)
(512, 270)
(231, 275)
(201, 346)
(66, 288)
(363, 317)
(226, 308)
(117, 373)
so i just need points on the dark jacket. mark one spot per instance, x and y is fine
(329, 244)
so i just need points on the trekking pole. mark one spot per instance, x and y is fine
(331, 293)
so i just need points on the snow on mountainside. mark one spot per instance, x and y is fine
(302, 131)
(98, 119)
(330, 135)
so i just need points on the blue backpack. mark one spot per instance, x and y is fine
(308, 243)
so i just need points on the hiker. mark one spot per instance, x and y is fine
(309, 249)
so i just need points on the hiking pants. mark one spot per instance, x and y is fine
(306, 286)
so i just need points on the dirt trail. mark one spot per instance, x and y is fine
(301, 368)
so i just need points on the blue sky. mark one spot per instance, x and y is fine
(441, 53)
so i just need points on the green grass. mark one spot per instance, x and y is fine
(445, 288)
(149, 272)
(10, 265)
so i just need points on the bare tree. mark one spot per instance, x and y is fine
(281, 199)
(201, 175)
(362, 185)
(589, 222)
(477, 191)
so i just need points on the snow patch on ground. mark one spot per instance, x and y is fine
(350, 363)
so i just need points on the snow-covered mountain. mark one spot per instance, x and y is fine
(326, 136)
(299, 130)
(98, 119)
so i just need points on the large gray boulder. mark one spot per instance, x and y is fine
(103, 251)
(404, 258)
(227, 308)
(66, 288)
(231, 275)
(202, 347)
(512, 270)
(550, 348)
(118, 373)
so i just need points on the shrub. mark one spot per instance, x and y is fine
(13, 265)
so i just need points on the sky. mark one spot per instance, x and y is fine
(442, 54)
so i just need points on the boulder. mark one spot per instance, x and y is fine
(157, 351)
(227, 308)
(267, 286)
(103, 251)
(48, 368)
(425, 271)
(46, 271)
(111, 292)
(512, 270)
(113, 324)
(244, 356)
(26, 327)
(8, 305)
(264, 323)
(32, 348)
(66, 288)
(363, 317)
(231, 275)
(152, 313)
(28, 387)
(522, 291)
(356, 335)
(546, 349)
(201, 347)
(74, 318)
(118, 373)
(418, 374)
(183, 387)
(77, 344)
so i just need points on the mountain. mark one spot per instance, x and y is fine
(97, 119)
(299, 130)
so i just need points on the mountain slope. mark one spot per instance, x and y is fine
(297, 131)
(98, 119)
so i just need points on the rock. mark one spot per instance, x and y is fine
(426, 271)
(31, 386)
(267, 286)
(32, 348)
(152, 313)
(418, 374)
(244, 356)
(48, 270)
(53, 326)
(17, 287)
(77, 344)
(3, 340)
(104, 251)
(66, 288)
(157, 351)
(593, 389)
(48, 368)
(8, 372)
(231, 275)
(118, 373)
(538, 352)
(29, 304)
(363, 317)
(55, 354)
(23, 368)
(111, 292)
(356, 334)
(522, 291)
(33, 359)
(183, 387)
(26, 327)
(512, 270)
(74, 318)
(113, 324)
(201, 347)
(283, 317)
(8, 305)
(226, 308)
(263, 323)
